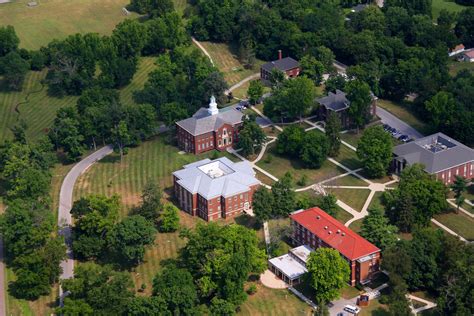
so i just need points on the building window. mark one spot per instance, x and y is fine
(199, 147)
(241, 196)
(220, 142)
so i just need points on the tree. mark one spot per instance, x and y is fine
(284, 197)
(314, 149)
(14, 69)
(358, 93)
(100, 288)
(326, 57)
(328, 203)
(459, 186)
(335, 82)
(290, 140)
(121, 137)
(66, 134)
(255, 91)
(127, 240)
(151, 205)
(251, 137)
(220, 307)
(464, 28)
(417, 198)
(228, 253)
(147, 306)
(94, 217)
(172, 112)
(375, 150)
(441, 109)
(312, 68)
(399, 304)
(8, 40)
(128, 37)
(376, 229)
(154, 8)
(333, 129)
(413, 7)
(262, 204)
(169, 219)
(177, 289)
(328, 273)
(165, 33)
(277, 77)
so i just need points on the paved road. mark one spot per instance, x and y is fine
(395, 122)
(65, 205)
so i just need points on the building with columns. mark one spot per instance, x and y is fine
(213, 189)
(209, 128)
(315, 228)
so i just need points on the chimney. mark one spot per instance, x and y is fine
(279, 54)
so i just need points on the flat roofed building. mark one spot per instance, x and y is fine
(441, 156)
(315, 228)
(213, 189)
(291, 266)
(209, 128)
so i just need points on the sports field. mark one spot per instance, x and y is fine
(56, 19)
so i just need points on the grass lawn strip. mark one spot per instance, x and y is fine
(459, 223)
(348, 158)
(278, 165)
(351, 138)
(348, 180)
(377, 201)
(355, 198)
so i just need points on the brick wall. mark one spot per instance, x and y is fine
(448, 176)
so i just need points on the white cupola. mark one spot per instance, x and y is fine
(213, 110)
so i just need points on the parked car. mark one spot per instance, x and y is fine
(352, 309)
(244, 103)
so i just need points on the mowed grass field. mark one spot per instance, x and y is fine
(32, 105)
(56, 19)
(226, 59)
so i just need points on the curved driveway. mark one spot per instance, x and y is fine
(65, 205)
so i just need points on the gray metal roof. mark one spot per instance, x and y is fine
(334, 101)
(202, 122)
(283, 64)
(436, 152)
(291, 267)
(219, 177)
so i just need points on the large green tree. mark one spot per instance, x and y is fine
(312, 68)
(14, 69)
(376, 229)
(459, 186)
(465, 27)
(358, 93)
(8, 40)
(284, 198)
(328, 273)
(251, 137)
(314, 149)
(375, 150)
(151, 205)
(255, 91)
(262, 204)
(333, 129)
(169, 219)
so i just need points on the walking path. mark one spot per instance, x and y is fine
(429, 304)
(240, 83)
(460, 208)
(447, 229)
(203, 50)
(65, 205)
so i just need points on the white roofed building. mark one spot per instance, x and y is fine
(291, 266)
(213, 189)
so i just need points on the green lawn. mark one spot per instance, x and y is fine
(377, 200)
(348, 158)
(450, 6)
(351, 137)
(356, 225)
(56, 19)
(349, 180)
(264, 179)
(459, 223)
(146, 65)
(355, 198)
(341, 215)
(279, 165)
(404, 114)
(226, 59)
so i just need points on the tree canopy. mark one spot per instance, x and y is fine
(375, 150)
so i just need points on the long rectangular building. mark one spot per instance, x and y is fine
(315, 228)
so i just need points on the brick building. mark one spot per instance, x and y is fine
(209, 129)
(315, 228)
(441, 156)
(288, 65)
(339, 104)
(213, 189)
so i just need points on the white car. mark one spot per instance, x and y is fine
(352, 309)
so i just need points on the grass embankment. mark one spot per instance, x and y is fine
(404, 114)
(56, 19)
(225, 57)
(451, 6)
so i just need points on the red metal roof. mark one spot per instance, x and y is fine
(334, 233)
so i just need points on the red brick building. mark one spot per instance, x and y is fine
(288, 65)
(209, 129)
(442, 156)
(315, 228)
(213, 189)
